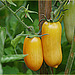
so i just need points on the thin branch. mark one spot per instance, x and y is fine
(19, 9)
(51, 70)
(16, 16)
(30, 28)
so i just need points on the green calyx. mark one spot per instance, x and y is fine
(45, 19)
(27, 11)
(54, 18)
(57, 13)
(31, 30)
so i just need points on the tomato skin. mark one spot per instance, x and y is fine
(69, 20)
(52, 43)
(33, 47)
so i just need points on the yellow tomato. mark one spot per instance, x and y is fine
(52, 43)
(33, 47)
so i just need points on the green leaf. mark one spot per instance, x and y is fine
(10, 70)
(8, 27)
(29, 72)
(23, 34)
(32, 12)
(36, 26)
(3, 0)
(73, 72)
(11, 58)
(61, 73)
(10, 2)
(27, 6)
(66, 50)
(9, 50)
(22, 40)
(2, 39)
(12, 22)
(27, 32)
(29, 17)
(1, 71)
(22, 15)
(15, 41)
(63, 38)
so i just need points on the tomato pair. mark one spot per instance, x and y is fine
(49, 48)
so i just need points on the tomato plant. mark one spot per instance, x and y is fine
(23, 47)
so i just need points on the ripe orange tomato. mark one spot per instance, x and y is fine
(33, 47)
(52, 43)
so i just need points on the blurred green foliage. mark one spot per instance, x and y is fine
(10, 70)
(13, 28)
(2, 39)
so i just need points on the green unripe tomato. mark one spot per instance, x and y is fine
(69, 20)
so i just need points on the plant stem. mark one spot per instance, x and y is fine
(52, 15)
(52, 70)
(19, 9)
(44, 8)
(71, 57)
(62, 4)
(30, 28)
(16, 16)
(15, 51)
